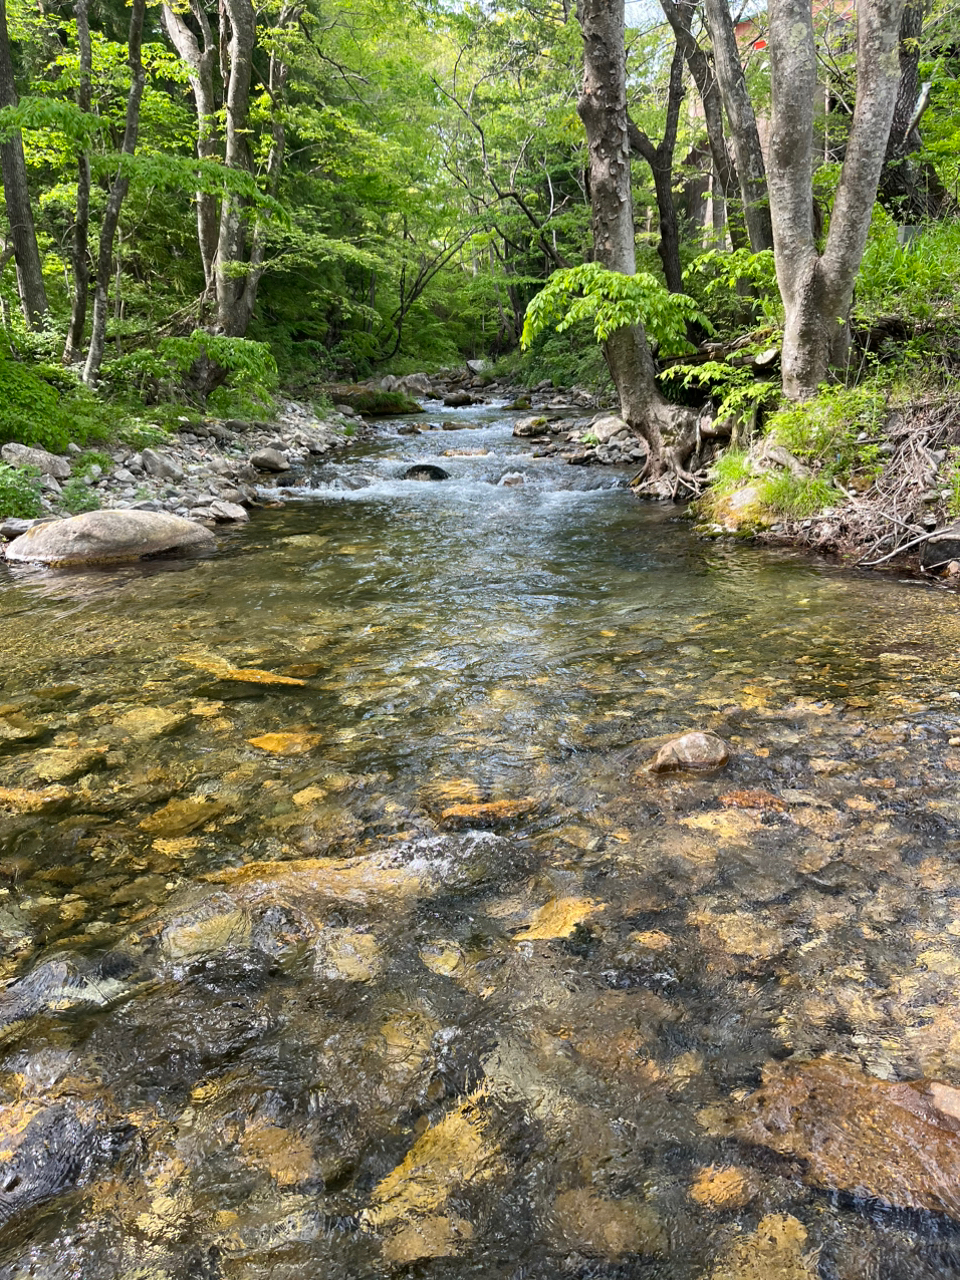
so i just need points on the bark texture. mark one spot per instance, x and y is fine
(743, 124)
(603, 109)
(817, 288)
(81, 224)
(910, 188)
(660, 160)
(240, 22)
(199, 52)
(118, 192)
(680, 16)
(16, 193)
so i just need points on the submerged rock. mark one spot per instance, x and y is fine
(105, 537)
(692, 751)
(425, 471)
(775, 1251)
(890, 1141)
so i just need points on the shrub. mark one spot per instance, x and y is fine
(77, 497)
(30, 408)
(19, 492)
(836, 431)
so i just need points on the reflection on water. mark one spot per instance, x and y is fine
(347, 935)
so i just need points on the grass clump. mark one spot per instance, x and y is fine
(838, 432)
(796, 497)
(19, 492)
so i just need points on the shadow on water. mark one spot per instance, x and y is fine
(346, 933)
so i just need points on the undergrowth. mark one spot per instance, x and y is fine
(19, 492)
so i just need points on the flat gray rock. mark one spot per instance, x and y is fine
(106, 537)
(48, 464)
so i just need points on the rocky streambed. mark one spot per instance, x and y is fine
(361, 914)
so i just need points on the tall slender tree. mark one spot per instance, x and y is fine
(81, 224)
(118, 192)
(16, 193)
(603, 109)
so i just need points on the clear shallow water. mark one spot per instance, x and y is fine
(296, 1006)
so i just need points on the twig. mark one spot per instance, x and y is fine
(869, 564)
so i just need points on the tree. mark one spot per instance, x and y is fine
(81, 223)
(680, 16)
(16, 193)
(743, 124)
(603, 109)
(910, 189)
(118, 191)
(660, 159)
(817, 286)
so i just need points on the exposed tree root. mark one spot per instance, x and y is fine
(903, 506)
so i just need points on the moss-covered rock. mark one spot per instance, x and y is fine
(373, 403)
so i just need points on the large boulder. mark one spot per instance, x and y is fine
(48, 464)
(604, 429)
(106, 537)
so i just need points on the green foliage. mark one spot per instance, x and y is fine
(917, 280)
(89, 459)
(374, 403)
(30, 408)
(731, 470)
(735, 389)
(837, 431)
(179, 366)
(19, 492)
(77, 497)
(609, 301)
(796, 497)
(736, 287)
(569, 359)
(951, 474)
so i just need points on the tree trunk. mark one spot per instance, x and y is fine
(743, 124)
(680, 17)
(660, 160)
(81, 224)
(200, 57)
(603, 109)
(16, 193)
(230, 262)
(118, 192)
(911, 190)
(817, 289)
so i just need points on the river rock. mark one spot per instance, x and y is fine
(530, 426)
(607, 427)
(155, 464)
(104, 537)
(229, 511)
(425, 471)
(878, 1139)
(458, 399)
(269, 460)
(48, 464)
(691, 751)
(942, 548)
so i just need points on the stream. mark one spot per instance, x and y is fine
(347, 935)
